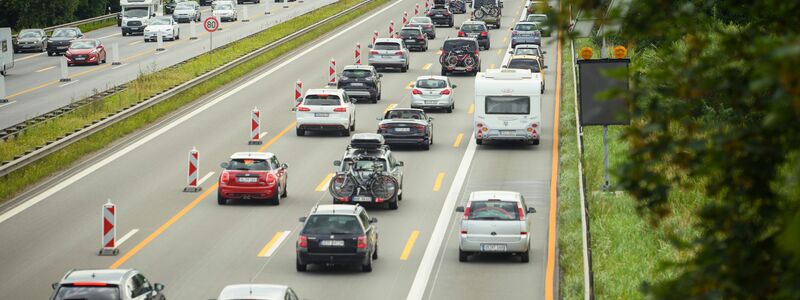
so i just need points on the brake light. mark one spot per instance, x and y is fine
(445, 92)
(225, 177)
(420, 127)
(398, 53)
(373, 52)
(534, 125)
(521, 215)
(463, 232)
(420, 37)
(466, 213)
(479, 125)
(477, 52)
(270, 180)
(428, 26)
(340, 109)
(416, 92)
(461, 33)
(383, 127)
(303, 108)
(362, 242)
(446, 13)
(429, 14)
(89, 284)
(302, 242)
(484, 33)
(523, 233)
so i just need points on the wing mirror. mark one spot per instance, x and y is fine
(454, 86)
(294, 109)
(379, 118)
(54, 285)
(511, 52)
(544, 52)
(302, 219)
(545, 67)
(159, 287)
(458, 27)
(373, 220)
(531, 210)
(400, 163)
(380, 75)
(337, 163)
(224, 165)
(460, 209)
(504, 66)
(369, 46)
(431, 118)
(284, 166)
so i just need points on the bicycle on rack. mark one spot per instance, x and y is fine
(363, 173)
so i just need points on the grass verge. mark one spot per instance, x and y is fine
(148, 85)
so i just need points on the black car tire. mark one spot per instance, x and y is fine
(277, 199)
(479, 142)
(345, 132)
(393, 204)
(375, 254)
(524, 257)
(285, 193)
(49, 53)
(221, 200)
(463, 256)
(300, 132)
(379, 95)
(450, 109)
(374, 100)
(367, 266)
(444, 72)
(353, 126)
(300, 267)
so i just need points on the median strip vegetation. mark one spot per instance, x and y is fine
(149, 85)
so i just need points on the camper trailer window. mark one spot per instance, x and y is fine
(508, 105)
(5, 46)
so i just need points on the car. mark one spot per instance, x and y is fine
(30, 40)
(225, 12)
(538, 7)
(406, 126)
(361, 82)
(218, 2)
(337, 234)
(168, 28)
(441, 16)
(460, 55)
(495, 222)
(389, 53)
(253, 175)
(206, 2)
(529, 49)
(187, 11)
(118, 284)
(477, 30)
(432, 91)
(61, 38)
(426, 24)
(488, 11)
(541, 21)
(251, 1)
(527, 62)
(85, 51)
(368, 173)
(526, 33)
(457, 6)
(169, 6)
(414, 38)
(257, 291)
(325, 110)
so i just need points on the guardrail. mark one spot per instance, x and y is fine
(81, 22)
(96, 126)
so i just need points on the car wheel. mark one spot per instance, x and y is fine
(221, 200)
(379, 95)
(276, 200)
(285, 191)
(353, 126)
(450, 109)
(300, 267)
(444, 72)
(346, 131)
(300, 132)
(367, 266)
(375, 254)
(463, 256)
(479, 142)
(374, 99)
(49, 53)
(524, 257)
(393, 204)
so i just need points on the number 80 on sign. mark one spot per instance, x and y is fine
(211, 24)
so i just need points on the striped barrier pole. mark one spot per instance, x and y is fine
(159, 41)
(332, 73)
(64, 70)
(255, 127)
(358, 53)
(245, 16)
(194, 172)
(416, 9)
(3, 95)
(192, 30)
(391, 29)
(298, 93)
(115, 55)
(374, 37)
(405, 18)
(109, 233)
(427, 5)
(266, 7)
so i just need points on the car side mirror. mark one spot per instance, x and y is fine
(379, 118)
(224, 165)
(373, 220)
(294, 108)
(544, 52)
(337, 163)
(511, 29)
(159, 287)
(284, 165)
(54, 285)
(511, 52)
(458, 27)
(545, 67)
(431, 118)
(454, 86)
(460, 209)
(504, 66)
(531, 210)
(380, 75)
(369, 46)
(302, 219)
(400, 163)
(153, 15)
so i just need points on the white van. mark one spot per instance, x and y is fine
(137, 13)
(508, 106)
(6, 51)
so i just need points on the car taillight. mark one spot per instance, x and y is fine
(477, 52)
(461, 33)
(416, 92)
(447, 14)
(373, 52)
(225, 177)
(428, 26)
(445, 92)
(340, 109)
(398, 53)
(270, 180)
(484, 33)
(429, 14)
(463, 232)
(466, 213)
(523, 233)
(420, 127)
(303, 108)
(362, 242)
(420, 37)
(521, 214)
(479, 125)
(302, 242)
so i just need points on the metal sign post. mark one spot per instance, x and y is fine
(211, 24)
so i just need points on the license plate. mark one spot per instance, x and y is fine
(410, 40)
(472, 34)
(80, 58)
(357, 84)
(362, 199)
(439, 15)
(62, 47)
(508, 132)
(402, 129)
(332, 243)
(430, 102)
(493, 247)
(246, 179)
(321, 114)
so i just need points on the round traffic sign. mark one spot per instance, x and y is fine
(620, 51)
(586, 53)
(211, 24)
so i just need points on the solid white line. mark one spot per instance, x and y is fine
(74, 178)
(440, 230)
(68, 83)
(120, 66)
(126, 237)
(108, 36)
(278, 243)
(7, 104)
(205, 177)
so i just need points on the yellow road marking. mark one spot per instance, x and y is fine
(491, 66)
(45, 69)
(426, 67)
(551, 240)
(275, 138)
(390, 106)
(438, 184)
(322, 185)
(471, 108)
(410, 85)
(271, 243)
(499, 51)
(458, 140)
(505, 40)
(136, 42)
(409, 245)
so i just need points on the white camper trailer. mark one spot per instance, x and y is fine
(137, 13)
(6, 51)
(508, 106)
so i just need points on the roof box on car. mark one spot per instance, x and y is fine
(367, 141)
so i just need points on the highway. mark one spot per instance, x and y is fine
(33, 85)
(196, 247)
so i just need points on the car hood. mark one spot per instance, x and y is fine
(80, 51)
(28, 39)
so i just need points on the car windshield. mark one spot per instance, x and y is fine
(320, 99)
(365, 164)
(508, 105)
(423, 20)
(387, 46)
(184, 6)
(29, 35)
(223, 7)
(65, 33)
(527, 51)
(526, 27)
(473, 27)
(459, 44)
(82, 45)
(332, 224)
(431, 84)
(88, 293)
(493, 210)
(135, 12)
(405, 114)
(537, 18)
(248, 165)
(525, 64)
(161, 21)
(356, 73)
(410, 32)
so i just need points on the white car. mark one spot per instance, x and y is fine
(225, 12)
(433, 92)
(257, 292)
(495, 222)
(166, 25)
(326, 110)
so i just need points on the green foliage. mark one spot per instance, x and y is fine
(21, 14)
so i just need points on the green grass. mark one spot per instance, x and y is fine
(148, 85)
(97, 25)
(626, 251)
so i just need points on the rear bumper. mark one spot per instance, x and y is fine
(519, 137)
(236, 192)
(383, 62)
(304, 257)
(323, 127)
(525, 40)
(406, 140)
(441, 20)
(466, 243)
(361, 93)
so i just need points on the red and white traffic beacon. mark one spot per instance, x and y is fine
(108, 236)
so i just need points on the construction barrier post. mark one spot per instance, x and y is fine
(255, 127)
(332, 73)
(391, 29)
(192, 30)
(115, 54)
(3, 95)
(245, 17)
(298, 93)
(267, 6)
(374, 37)
(64, 70)
(427, 5)
(405, 18)
(358, 53)
(108, 236)
(194, 172)
(159, 41)
(416, 9)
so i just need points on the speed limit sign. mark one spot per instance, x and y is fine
(211, 24)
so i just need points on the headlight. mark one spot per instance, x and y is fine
(68, 53)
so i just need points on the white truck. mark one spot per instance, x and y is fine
(508, 106)
(137, 13)
(6, 51)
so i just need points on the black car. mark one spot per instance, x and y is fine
(426, 24)
(441, 16)
(368, 173)
(414, 38)
(30, 40)
(406, 126)
(460, 55)
(117, 284)
(476, 30)
(337, 234)
(206, 2)
(361, 82)
(61, 38)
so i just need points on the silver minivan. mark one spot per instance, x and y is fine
(495, 222)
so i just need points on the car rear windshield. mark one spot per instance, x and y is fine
(65, 33)
(493, 210)
(524, 64)
(356, 73)
(439, 10)
(410, 32)
(365, 165)
(527, 51)
(88, 293)
(526, 27)
(535, 18)
(404, 114)
(248, 165)
(473, 27)
(333, 224)
(451, 45)
(386, 46)
(423, 20)
(431, 83)
(29, 34)
(224, 7)
(82, 45)
(185, 5)
(322, 100)
(508, 105)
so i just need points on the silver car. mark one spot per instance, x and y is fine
(433, 92)
(257, 291)
(389, 53)
(186, 12)
(526, 33)
(495, 222)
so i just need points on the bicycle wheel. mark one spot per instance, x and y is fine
(494, 12)
(342, 186)
(452, 60)
(479, 13)
(384, 186)
(469, 61)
